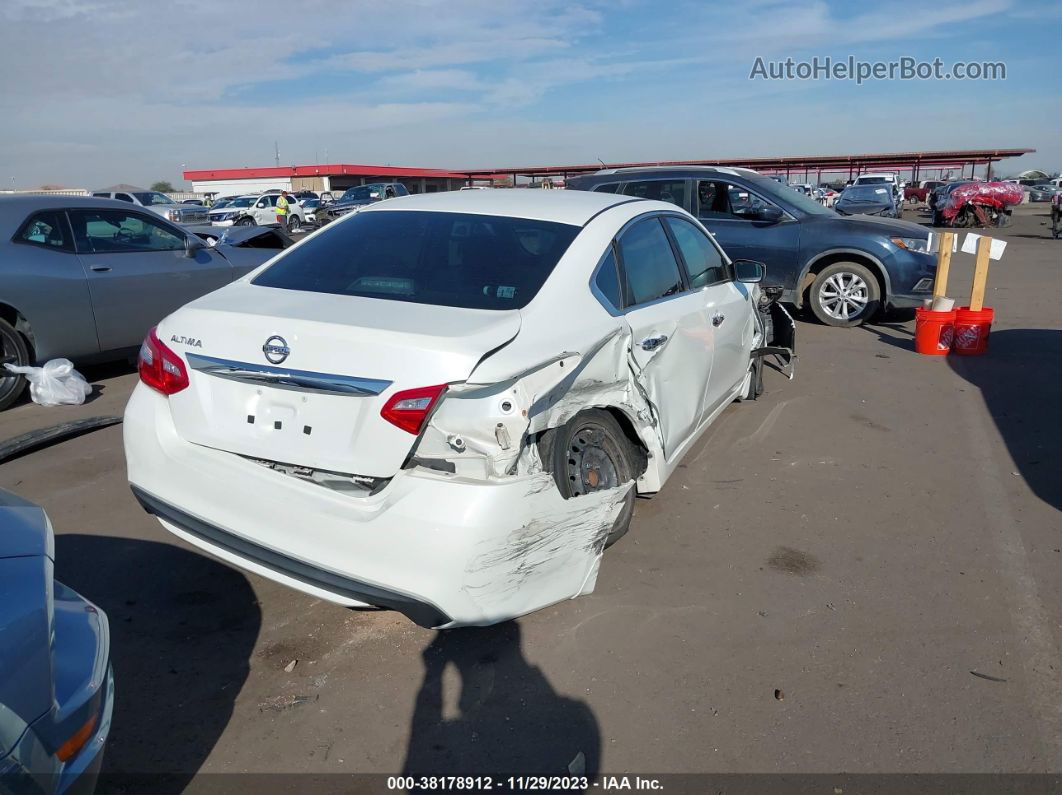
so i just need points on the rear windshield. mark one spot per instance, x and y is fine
(445, 259)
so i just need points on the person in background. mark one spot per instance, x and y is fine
(282, 209)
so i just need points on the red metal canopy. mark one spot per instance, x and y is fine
(854, 163)
(335, 170)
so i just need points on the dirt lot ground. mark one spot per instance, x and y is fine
(858, 572)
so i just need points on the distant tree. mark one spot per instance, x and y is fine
(162, 186)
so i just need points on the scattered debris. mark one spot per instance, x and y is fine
(779, 695)
(291, 666)
(284, 703)
(990, 678)
(34, 440)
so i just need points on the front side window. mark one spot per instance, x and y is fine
(444, 259)
(702, 260)
(720, 199)
(649, 263)
(124, 197)
(46, 229)
(116, 231)
(664, 190)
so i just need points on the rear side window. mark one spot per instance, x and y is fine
(607, 280)
(664, 190)
(704, 264)
(612, 187)
(444, 259)
(648, 262)
(46, 229)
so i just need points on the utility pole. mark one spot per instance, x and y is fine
(276, 153)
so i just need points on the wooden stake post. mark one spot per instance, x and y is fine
(940, 286)
(977, 295)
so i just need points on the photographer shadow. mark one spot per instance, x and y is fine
(507, 720)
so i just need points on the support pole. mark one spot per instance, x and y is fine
(980, 280)
(940, 286)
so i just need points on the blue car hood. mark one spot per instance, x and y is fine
(875, 225)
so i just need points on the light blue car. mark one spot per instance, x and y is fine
(56, 684)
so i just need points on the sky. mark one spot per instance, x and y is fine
(97, 92)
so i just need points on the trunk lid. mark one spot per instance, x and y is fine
(318, 406)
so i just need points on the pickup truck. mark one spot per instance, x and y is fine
(920, 193)
(160, 204)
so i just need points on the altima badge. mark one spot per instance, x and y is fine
(276, 349)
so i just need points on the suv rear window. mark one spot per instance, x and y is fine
(445, 259)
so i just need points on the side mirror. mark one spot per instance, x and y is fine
(749, 271)
(192, 245)
(374, 195)
(770, 214)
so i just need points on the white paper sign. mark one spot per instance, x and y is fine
(934, 243)
(995, 251)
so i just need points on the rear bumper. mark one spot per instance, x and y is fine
(445, 551)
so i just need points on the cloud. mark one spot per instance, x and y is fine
(103, 91)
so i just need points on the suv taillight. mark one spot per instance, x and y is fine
(160, 368)
(410, 408)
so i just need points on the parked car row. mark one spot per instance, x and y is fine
(85, 278)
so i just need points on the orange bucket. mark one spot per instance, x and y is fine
(933, 331)
(971, 330)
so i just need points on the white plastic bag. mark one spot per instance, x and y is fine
(55, 384)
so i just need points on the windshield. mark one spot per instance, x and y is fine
(444, 259)
(361, 192)
(867, 193)
(148, 199)
(243, 201)
(311, 203)
(873, 181)
(221, 203)
(786, 196)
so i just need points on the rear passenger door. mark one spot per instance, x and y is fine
(138, 271)
(728, 304)
(671, 340)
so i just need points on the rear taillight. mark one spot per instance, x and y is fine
(160, 368)
(410, 408)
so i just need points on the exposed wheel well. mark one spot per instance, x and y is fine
(632, 436)
(14, 318)
(820, 265)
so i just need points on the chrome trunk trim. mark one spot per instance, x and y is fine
(285, 378)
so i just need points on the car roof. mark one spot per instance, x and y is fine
(673, 169)
(560, 206)
(29, 201)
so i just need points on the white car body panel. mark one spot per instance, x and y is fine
(491, 538)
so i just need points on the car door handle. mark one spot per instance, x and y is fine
(652, 343)
(717, 320)
(100, 268)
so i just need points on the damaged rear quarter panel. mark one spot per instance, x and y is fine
(554, 554)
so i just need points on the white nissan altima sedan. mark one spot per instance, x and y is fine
(445, 404)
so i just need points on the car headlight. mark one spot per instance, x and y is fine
(912, 243)
(173, 215)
